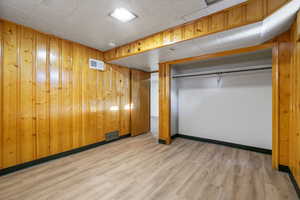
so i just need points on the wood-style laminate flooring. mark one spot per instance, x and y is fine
(138, 168)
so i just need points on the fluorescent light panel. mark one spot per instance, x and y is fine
(122, 15)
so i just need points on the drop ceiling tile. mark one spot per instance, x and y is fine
(88, 21)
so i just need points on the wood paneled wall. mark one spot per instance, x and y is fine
(283, 45)
(140, 98)
(246, 13)
(51, 101)
(282, 52)
(165, 103)
(294, 144)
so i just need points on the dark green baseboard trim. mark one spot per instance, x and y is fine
(56, 156)
(174, 136)
(143, 133)
(286, 169)
(161, 141)
(229, 144)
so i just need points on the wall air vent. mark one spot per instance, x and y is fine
(210, 2)
(96, 64)
(112, 136)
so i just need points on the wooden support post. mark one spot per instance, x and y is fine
(164, 103)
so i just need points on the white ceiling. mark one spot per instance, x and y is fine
(244, 60)
(233, 39)
(88, 21)
(249, 35)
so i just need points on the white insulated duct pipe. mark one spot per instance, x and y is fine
(241, 37)
(280, 21)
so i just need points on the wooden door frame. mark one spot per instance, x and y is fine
(165, 98)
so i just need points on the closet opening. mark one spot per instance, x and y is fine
(225, 100)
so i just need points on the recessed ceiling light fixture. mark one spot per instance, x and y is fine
(112, 44)
(123, 15)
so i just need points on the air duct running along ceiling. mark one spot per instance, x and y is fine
(280, 21)
(249, 35)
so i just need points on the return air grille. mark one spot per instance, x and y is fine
(112, 136)
(96, 64)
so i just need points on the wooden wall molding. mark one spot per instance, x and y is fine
(243, 14)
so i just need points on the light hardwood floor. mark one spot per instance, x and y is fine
(138, 168)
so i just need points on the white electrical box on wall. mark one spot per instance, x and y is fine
(96, 64)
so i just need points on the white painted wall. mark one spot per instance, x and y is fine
(174, 105)
(239, 110)
(154, 104)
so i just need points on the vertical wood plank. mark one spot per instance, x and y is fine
(135, 102)
(42, 95)
(55, 96)
(77, 100)
(91, 89)
(167, 37)
(177, 34)
(111, 119)
(124, 101)
(157, 40)
(1, 94)
(292, 131)
(140, 98)
(27, 111)
(164, 103)
(297, 110)
(84, 67)
(100, 103)
(145, 101)
(295, 150)
(10, 89)
(66, 96)
(201, 27)
(217, 22)
(254, 10)
(297, 27)
(115, 100)
(106, 96)
(189, 31)
(235, 16)
(284, 61)
(275, 107)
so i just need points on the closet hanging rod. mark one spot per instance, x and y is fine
(220, 73)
